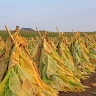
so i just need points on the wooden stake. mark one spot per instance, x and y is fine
(39, 33)
(9, 33)
(72, 31)
(58, 30)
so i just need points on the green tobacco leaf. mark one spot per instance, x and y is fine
(59, 82)
(14, 83)
(3, 83)
(18, 81)
(51, 66)
(67, 62)
(8, 92)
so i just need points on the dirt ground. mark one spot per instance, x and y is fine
(91, 82)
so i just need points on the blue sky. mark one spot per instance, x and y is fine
(47, 14)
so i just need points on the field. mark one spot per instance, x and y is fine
(65, 62)
(28, 34)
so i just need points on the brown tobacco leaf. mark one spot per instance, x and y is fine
(93, 84)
